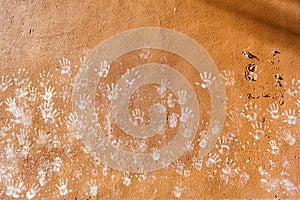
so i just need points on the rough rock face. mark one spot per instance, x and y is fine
(50, 149)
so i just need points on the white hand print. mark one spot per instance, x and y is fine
(291, 117)
(250, 111)
(182, 97)
(42, 137)
(138, 116)
(112, 91)
(186, 113)
(32, 191)
(5, 83)
(9, 151)
(57, 164)
(164, 84)
(259, 130)
(11, 103)
(84, 101)
(62, 187)
(42, 177)
(170, 101)
(294, 88)
(228, 76)
(207, 79)
(65, 66)
(173, 119)
(197, 163)
(22, 136)
(126, 179)
(103, 70)
(93, 187)
(212, 160)
(26, 148)
(74, 125)
(45, 78)
(49, 93)
(274, 148)
(286, 136)
(48, 113)
(14, 190)
(273, 110)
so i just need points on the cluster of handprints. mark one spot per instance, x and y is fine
(34, 149)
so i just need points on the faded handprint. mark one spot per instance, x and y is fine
(103, 69)
(112, 91)
(164, 84)
(250, 111)
(93, 187)
(62, 187)
(259, 130)
(84, 101)
(182, 97)
(294, 88)
(228, 76)
(186, 113)
(6, 82)
(173, 119)
(170, 101)
(26, 148)
(286, 136)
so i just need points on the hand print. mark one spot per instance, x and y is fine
(103, 70)
(5, 83)
(9, 151)
(197, 163)
(138, 116)
(274, 148)
(62, 187)
(45, 78)
(286, 136)
(259, 130)
(93, 187)
(65, 66)
(31, 193)
(14, 190)
(291, 117)
(250, 112)
(212, 160)
(186, 113)
(112, 91)
(48, 112)
(228, 76)
(293, 89)
(207, 79)
(182, 97)
(164, 84)
(273, 110)
(171, 101)
(173, 119)
(84, 101)
(49, 93)
(26, 148)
